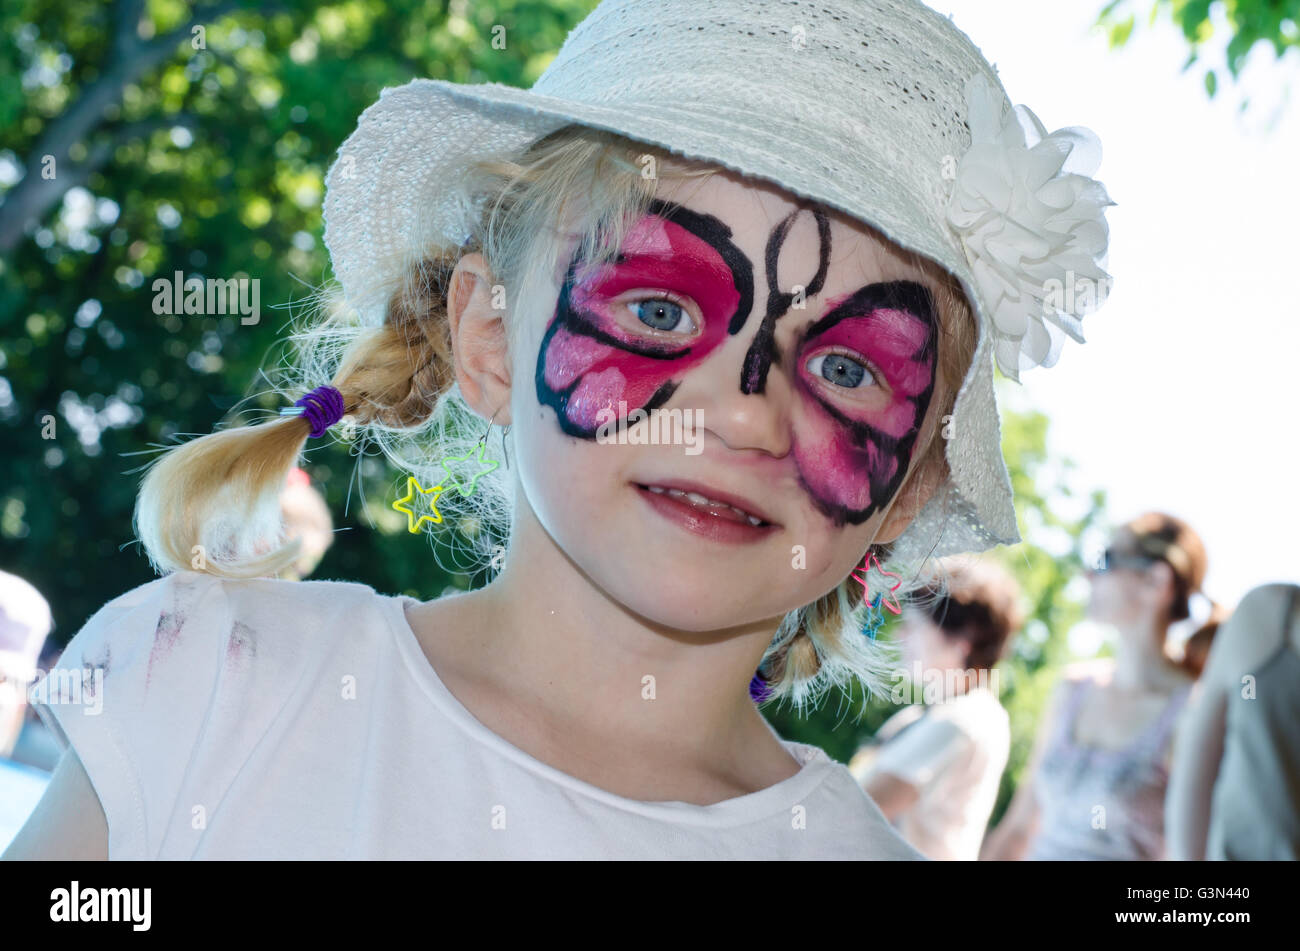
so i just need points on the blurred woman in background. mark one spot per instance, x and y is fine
(1235, 788)
(306, 517)
(934, 768)
(25, 621)
(1095, 784)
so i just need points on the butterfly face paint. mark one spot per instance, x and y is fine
(596, 353)
(880, 341)
(763, 350)
(851, 453)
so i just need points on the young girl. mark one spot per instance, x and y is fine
(812, 239)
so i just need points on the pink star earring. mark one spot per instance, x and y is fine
(875, 617)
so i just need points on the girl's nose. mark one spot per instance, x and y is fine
(742, 421)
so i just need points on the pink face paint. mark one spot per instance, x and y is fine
(852, 453)
(592, 357)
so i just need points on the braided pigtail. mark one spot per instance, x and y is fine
(213, 504)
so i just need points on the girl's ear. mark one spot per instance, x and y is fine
(478, 338)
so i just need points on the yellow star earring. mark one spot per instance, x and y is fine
(403, 504)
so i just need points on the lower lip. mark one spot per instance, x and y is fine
(714, 527)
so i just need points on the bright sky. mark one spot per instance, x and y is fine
(1184, 397)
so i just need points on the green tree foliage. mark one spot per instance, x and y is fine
(189, 138)
(1248, 22)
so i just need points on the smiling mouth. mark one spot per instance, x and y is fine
(707, 506)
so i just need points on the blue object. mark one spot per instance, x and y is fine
(21, 787)
(875, 619)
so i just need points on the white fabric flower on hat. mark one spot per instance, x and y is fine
(1032, 222)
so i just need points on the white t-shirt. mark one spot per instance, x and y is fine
(275, 720)
(954, 753)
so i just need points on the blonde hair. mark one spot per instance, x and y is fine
(220, 491)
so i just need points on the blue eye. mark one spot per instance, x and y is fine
(839, 369)
(662, 314)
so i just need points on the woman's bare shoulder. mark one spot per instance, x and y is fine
(1254, 631)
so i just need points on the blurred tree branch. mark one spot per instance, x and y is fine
(130, 59)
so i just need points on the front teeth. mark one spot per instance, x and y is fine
(703, 500)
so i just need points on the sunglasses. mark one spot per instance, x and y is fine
(1112, 560)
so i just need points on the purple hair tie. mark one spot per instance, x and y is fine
(758, 689)
(322, 407)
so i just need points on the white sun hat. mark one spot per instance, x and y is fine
(882, 109)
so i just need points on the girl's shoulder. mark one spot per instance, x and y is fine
(195, 622)
(166, 643)
(169, 688)
(267, 594)
(311, 608)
